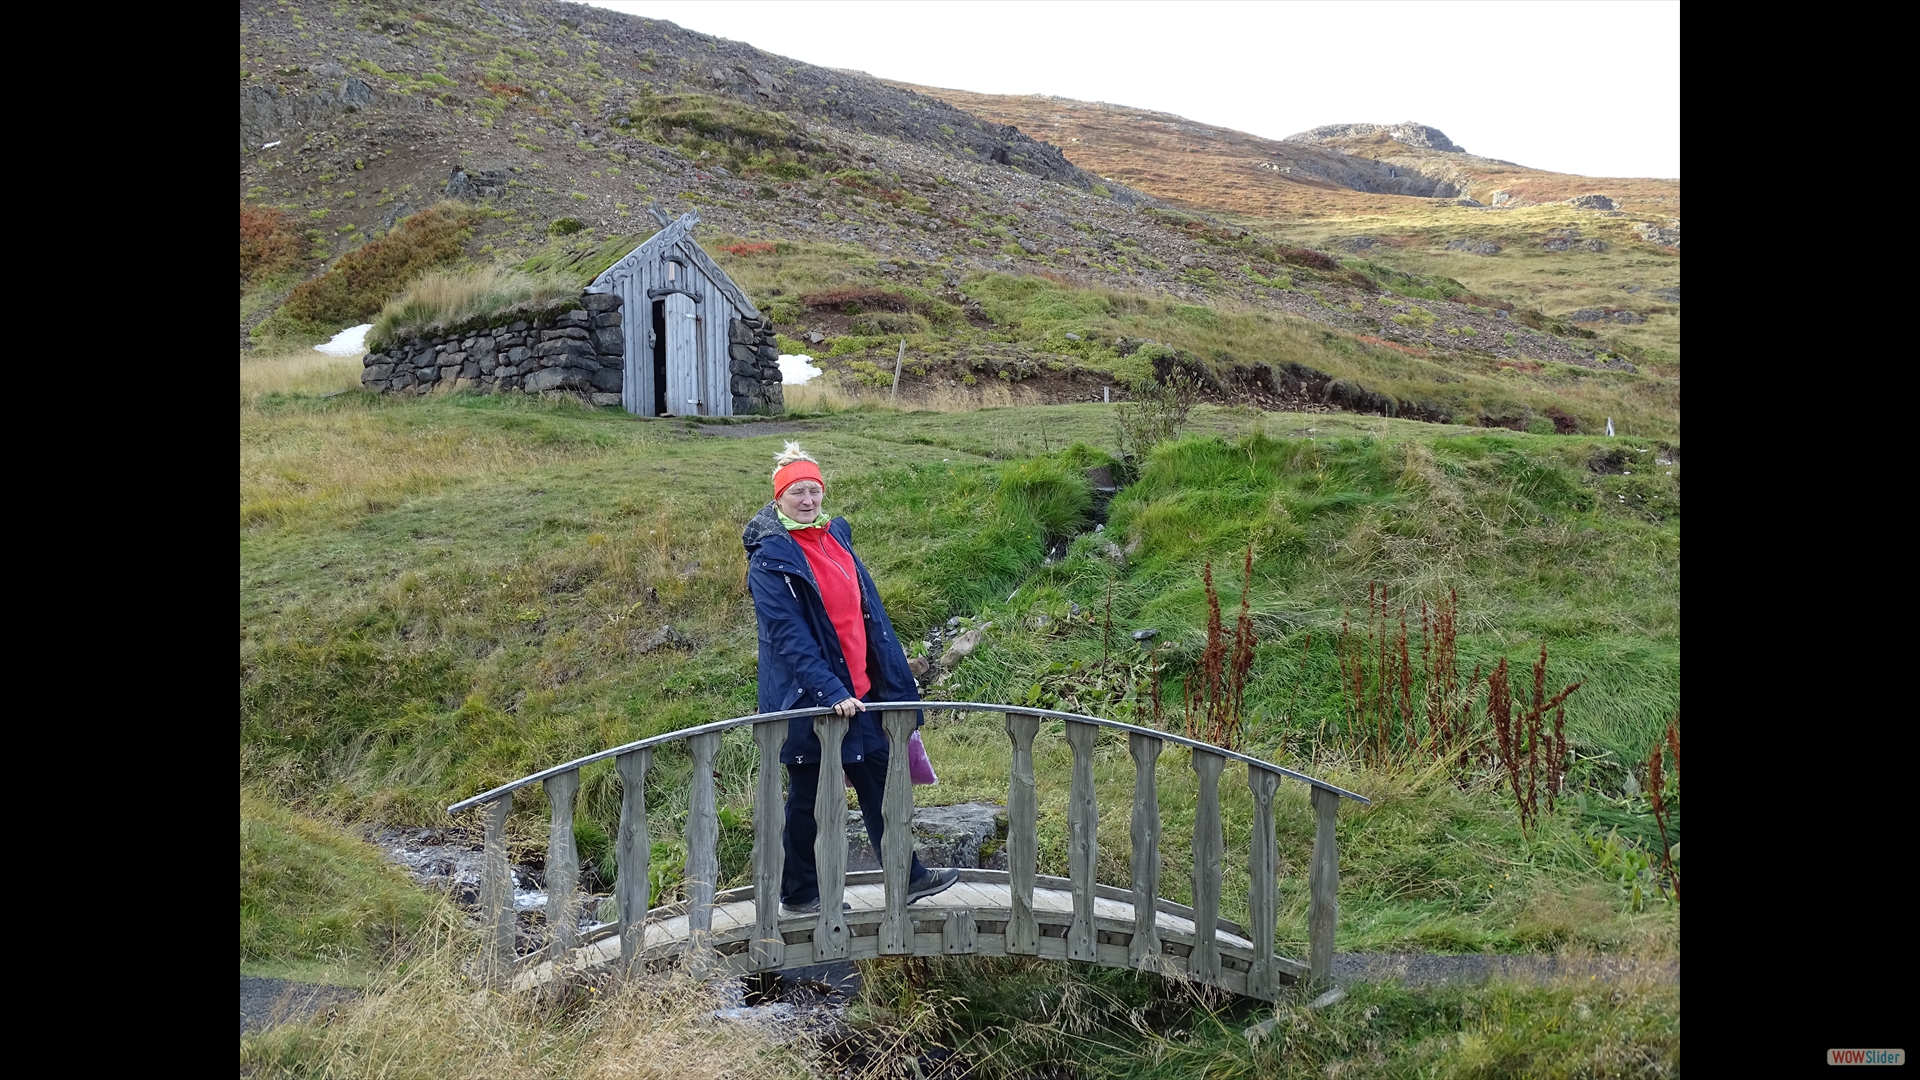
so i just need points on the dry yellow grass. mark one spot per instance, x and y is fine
(304, 372)
(429, 1020)
(444, 297)
(350, 456)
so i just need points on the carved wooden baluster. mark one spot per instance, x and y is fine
(633, 850)
(896, 843)
(703, 846)
(768, 950)
(1263, 980)
(830, 939)
(1323, 884)
(496, 890)
(1023, 853)
(956, 935)
(563, 865)
(1083, 847)
(1208, 854)
(1145, 950)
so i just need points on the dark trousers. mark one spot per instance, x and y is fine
(800, 880)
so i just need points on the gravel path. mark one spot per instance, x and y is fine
(265, 1002)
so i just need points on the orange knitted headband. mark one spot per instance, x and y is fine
(793, 471)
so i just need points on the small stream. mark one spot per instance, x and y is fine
(806, 1001)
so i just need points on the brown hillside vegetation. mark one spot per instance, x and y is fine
(269, 242)
(1215, 168)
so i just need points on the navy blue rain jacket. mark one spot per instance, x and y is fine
(801, 664)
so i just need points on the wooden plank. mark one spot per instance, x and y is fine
(496, 890)
(1323, 886)
(1145, 749)
(648, 252)
(1083, 845)
(632, 851)
(957, 935)
(896, 843)
(957, 706)
(716, 386)
(563, 865)
(830, 939)
(736, 295)
(769, 854)
(1263, 980)
(703, 843)
(1023, 838)
(1208, 855)
(640, 317)
(683, 356)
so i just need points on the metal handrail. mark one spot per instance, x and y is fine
(879, 706)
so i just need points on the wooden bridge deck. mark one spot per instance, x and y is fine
(968, 919)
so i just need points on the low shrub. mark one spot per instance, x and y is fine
(856, 298)
(890, 324)
(1307, 257)
(362, 281)
(269, 242)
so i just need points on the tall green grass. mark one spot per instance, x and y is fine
(310, 891)
(1018, 1018)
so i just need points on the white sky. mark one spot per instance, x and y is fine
(1588, 88)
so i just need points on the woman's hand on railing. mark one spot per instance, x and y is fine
(849, 706)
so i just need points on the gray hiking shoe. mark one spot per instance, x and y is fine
(808, 907)
(936, 881)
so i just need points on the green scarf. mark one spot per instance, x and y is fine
(819, 521)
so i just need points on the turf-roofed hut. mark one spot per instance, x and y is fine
(695, 345)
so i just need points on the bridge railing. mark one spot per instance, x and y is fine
(768, 950)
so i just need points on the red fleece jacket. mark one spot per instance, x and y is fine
(839, 580)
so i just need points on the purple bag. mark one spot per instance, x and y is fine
(917, 762)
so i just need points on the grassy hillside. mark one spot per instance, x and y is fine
(551, 129)
(1239, 176)
(465, 589)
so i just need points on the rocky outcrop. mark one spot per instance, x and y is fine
(1410, 133)
(1614, 315)
(269, 112)
(969, 835)
(1665, 236)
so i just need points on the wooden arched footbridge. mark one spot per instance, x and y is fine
(988, 913)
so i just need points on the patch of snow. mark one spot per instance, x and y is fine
(347, 342)
(797, 370)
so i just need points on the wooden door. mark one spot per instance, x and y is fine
(685, 394)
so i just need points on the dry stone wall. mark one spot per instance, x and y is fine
(753, 365)
(574, 347)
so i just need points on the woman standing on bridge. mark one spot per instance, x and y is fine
(825, 640)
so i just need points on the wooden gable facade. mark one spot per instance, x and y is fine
(676, 308)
